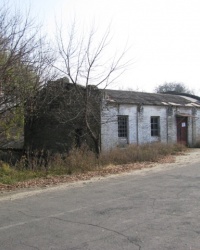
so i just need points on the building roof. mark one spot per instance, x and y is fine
(133, 97)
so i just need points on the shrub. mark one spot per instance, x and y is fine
(5, 167)
(81, 159)
(77, 160)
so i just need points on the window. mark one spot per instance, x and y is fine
(155, 125)
(122, 126)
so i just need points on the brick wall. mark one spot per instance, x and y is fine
(57, 122)
(139, 124)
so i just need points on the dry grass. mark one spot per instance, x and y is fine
(82, 160)
(77, 160)
(133, 153)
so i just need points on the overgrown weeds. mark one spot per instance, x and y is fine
(80, 160)
(143, 153)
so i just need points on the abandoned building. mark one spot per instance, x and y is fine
(135, 118)
(64, 116)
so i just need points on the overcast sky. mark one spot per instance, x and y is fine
(164, 35)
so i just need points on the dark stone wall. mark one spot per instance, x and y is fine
(55, 118)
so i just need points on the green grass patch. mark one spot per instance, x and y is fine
(11, 175)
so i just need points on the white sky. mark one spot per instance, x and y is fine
(164, 35)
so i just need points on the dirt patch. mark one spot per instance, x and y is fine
(191, 155)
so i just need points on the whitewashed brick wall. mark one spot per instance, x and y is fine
(197, 126)
(139, 124)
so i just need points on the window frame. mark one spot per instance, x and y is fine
(123, 127)
(155, 126)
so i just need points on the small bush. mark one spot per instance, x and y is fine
(5, 167)
(81, 159)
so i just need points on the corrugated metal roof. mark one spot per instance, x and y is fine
(132, 97)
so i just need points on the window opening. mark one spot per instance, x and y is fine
(155, 126)
(122, 126)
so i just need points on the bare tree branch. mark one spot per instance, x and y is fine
(86, 60)
(25, 65)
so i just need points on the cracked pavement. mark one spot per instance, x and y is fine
(158, 208)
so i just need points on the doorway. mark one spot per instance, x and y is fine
(182, 130)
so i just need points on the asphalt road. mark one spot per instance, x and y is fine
(154, 209)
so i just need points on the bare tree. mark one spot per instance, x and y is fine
(74, 102)
(25, 63)
(89, 64)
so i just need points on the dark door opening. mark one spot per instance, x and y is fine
(78, 137)
(182, 128)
